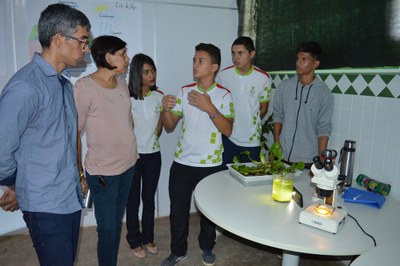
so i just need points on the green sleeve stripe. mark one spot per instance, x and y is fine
(178, 113)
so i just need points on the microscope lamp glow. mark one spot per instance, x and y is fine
(322, 210)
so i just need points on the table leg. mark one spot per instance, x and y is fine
(290, 258)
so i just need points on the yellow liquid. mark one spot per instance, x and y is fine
(282, 189)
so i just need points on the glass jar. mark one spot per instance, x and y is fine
(282, 187)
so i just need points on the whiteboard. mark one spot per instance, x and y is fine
(121, 19)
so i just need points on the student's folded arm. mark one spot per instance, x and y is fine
(169, 120)
(225, 125)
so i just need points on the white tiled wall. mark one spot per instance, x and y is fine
(374, 123)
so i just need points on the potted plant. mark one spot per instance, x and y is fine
(267, 164)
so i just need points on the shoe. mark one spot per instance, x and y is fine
(151, 248)
(139, 252)
(208, 258)
(173, 260)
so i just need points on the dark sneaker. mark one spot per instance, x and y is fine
(208, 258)
(173, 260)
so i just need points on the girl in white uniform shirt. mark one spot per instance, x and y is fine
(146, 108)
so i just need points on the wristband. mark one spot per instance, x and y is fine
(215, 115)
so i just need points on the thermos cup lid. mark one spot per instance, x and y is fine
(349, 144)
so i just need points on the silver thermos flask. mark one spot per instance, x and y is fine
(346, 161)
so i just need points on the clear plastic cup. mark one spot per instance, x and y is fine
(282, 187)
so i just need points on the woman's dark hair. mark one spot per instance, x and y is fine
(135, 75)
(103, 45)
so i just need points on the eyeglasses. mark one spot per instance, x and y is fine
(147, 71)
(85, 42)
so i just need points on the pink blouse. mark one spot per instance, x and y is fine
(106, 116)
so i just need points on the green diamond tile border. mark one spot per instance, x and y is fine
(351, 91)
(366, 90)
(386, 93)
(336, 90)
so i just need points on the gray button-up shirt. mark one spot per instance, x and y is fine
(38, 134)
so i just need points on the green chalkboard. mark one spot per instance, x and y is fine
(352, 33)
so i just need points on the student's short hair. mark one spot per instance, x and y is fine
(310, 47)
(62, 19)
(247, 42)
(105, 44)
(212, 50)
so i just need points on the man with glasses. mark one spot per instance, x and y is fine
(38, 137)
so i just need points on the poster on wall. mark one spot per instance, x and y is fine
(118, 18)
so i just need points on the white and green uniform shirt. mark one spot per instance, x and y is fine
(146, 114)
(248, 91)
(200, 142)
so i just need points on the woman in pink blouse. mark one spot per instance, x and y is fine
(104, 112)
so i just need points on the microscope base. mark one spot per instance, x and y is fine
(331, 223)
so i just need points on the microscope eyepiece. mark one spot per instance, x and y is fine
(317, 163)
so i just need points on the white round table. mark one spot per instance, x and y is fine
(387, 254)
(251, 213)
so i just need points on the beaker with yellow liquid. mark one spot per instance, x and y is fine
(282, 187)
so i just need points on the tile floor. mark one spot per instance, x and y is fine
(229, 249)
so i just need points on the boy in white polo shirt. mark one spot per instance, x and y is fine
(207, 112)
(250, 88)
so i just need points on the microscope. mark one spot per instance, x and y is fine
(325, 213)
